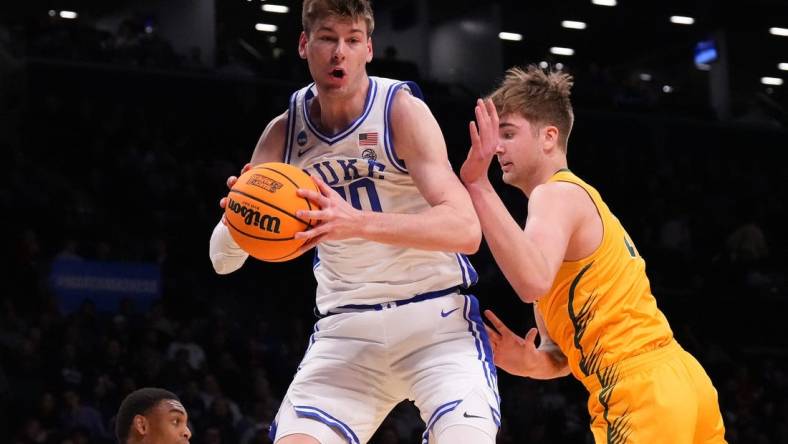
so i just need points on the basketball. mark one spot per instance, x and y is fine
(261, 211)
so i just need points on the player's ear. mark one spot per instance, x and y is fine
(370, 52)
(140, 425)
(302, 40)
(550, 137)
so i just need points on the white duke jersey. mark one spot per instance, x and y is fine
(361, 164)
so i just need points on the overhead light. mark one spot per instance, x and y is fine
(513, 36)
(783, 32)
(68, 14)
(604, 2)
(572, 24)
(703, 66)
(667, 89)
(646, 77)
(52, 13)
(776, 81)
(544, 65)
(265, 27)
(280, 9)
(782, 66)
(557, 50)
(559, 66)
(681, 20)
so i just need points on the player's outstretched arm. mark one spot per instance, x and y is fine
(450, 224)
(226, 256)
(520, 356)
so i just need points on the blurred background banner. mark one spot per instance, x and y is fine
(104, 283)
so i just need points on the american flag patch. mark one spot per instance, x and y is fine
(368, 139)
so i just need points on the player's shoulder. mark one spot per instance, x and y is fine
(569, 196)
(553, 189)
(277, 127)
(405, 106)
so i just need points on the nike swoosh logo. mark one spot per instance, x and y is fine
(465, 414)
(446, 313)
(302, 152)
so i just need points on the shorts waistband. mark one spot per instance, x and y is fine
(633, 364)
(353, 308)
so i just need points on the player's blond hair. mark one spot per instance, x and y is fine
(540, 96)
(314, 10)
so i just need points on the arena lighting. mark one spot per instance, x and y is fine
(557, 50)
(604, 2)
(572, 24)
(776, 81)
(68, 14)
(280, 9)
(265, 27)
(513, 36)
(646, 77)
(783, 32)
(681, 20)
(667, 89)
(782, 66)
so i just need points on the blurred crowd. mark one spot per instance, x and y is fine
(106, 164)
(136, 42)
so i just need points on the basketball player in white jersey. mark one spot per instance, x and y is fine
(395, 222)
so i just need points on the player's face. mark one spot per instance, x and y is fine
(337, 50)
(518, 151)
(168, 423)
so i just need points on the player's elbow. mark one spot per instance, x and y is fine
(470, 239)
(218, 266)
(530, 292)
(221, 265)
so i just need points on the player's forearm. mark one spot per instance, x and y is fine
(518, 258)
(226, 256)
(441, 228)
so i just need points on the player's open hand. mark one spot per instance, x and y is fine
(337, 218)
(512, 353)
(484, 143)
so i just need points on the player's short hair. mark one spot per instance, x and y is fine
(541, 96)
(138, 402)
(314, 10)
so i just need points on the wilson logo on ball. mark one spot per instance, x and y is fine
(253, 217)
(265, 183)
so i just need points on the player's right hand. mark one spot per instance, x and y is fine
(230, 182)
(484, 143)
(516, 355)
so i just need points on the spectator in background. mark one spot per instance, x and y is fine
(185, 341)
(78, 415)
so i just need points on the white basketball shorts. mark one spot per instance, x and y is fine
(359, 365)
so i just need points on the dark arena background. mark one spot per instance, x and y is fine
(121, 120)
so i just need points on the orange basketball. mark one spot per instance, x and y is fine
(261, 211)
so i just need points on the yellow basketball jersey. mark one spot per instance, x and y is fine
(600, 309)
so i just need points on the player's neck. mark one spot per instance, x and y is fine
(543, 174)
(334, 110)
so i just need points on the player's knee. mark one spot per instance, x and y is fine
(297, 438)
(464, 434)
(293, 429)
(473, 421)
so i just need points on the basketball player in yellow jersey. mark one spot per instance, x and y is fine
(574, 261)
